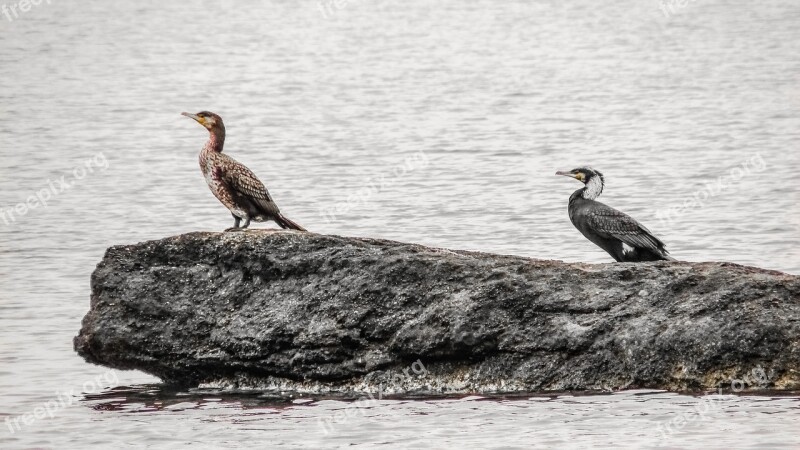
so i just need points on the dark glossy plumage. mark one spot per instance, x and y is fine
(625, 239)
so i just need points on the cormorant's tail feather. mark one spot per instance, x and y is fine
(644, 254)
(284, 222)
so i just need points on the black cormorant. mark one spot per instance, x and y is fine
(234, 185)
(625, 239)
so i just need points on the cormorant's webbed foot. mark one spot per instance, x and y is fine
(236, 226)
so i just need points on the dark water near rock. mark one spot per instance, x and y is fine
(434, 123)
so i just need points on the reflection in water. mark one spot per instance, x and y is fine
(650, 417)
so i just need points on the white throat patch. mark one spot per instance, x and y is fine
(593, 188)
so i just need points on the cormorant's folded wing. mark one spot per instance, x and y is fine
(244, 183)
(606, 220)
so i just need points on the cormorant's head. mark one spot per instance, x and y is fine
(593, 180)
(582, 174)
(207, 119)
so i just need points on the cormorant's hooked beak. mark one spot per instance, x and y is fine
(578, 175)
(199, 119)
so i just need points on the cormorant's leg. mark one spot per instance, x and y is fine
(235, 226)
(246, 222)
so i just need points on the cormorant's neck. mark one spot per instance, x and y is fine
(593, 188)
(216, 139)
(576, 195)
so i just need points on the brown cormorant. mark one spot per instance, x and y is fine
(625, 239)
(234, 185)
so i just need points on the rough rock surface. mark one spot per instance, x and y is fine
(327, 314)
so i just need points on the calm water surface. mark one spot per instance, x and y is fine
(460, 111)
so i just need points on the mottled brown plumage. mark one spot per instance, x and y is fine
(234, 185)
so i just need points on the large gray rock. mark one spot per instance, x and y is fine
(314, 313)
